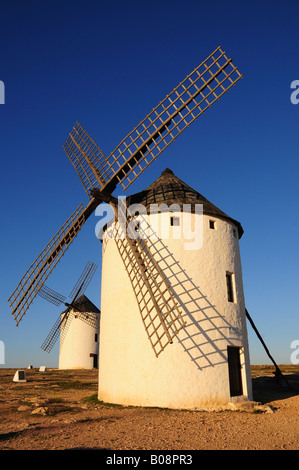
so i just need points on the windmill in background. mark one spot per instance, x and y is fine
(77, 326)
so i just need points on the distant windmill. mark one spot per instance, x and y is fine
(158, 305)
(64, 320)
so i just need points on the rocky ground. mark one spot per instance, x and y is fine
(58, 410)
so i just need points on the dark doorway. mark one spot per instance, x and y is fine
(234, 369)
(95, 361)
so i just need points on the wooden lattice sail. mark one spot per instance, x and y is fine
(191, 98)
(66, 316)
(36, 275)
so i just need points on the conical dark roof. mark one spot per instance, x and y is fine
(85, 305)
(169, 189)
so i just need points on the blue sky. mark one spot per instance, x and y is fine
(107, 64)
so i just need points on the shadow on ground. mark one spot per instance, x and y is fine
(266, 388)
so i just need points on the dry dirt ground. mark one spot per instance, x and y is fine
(56, 410)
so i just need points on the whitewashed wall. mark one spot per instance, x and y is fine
(78, 343)
(193, 371)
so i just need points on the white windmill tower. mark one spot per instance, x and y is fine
(162, 310)
(77, 327)
(208, 362)
(79, 336)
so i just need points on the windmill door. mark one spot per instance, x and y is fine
(234, 369)
(95, 361)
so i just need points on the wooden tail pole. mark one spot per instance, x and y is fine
(277, 370)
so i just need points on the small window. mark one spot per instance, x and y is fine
(235, 232)
(212, 224)
(96, 337)
(229, 285)
(174, 221)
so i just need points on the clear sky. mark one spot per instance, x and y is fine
(107, 64)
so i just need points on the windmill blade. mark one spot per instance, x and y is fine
(36, 275)
(83, 281)
(55, 331)
(86, 157)
(191, 98)
(194, 95)
(158, 307)
(50, 295)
